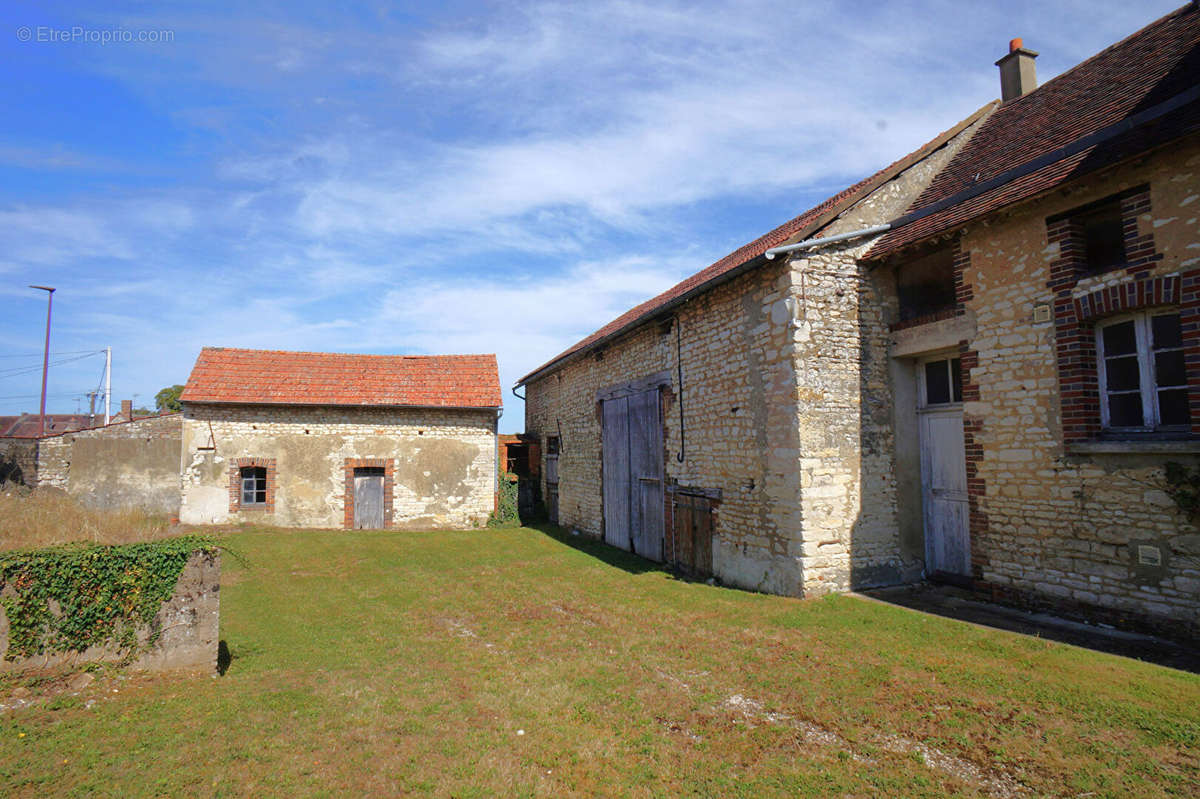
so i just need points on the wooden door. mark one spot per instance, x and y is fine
(552, 450)
(368, 499)
(615, 455)
(692, 535)
(944, 492)
(646, 475)
(632, 453)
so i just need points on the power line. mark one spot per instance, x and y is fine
(64, 352)
(17, 371)
(35, 396)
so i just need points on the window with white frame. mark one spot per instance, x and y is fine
(1143, 377)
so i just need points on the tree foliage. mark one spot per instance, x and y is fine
(168, 399)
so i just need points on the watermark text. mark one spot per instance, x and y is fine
(81, 34)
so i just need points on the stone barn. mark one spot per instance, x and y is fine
(981, 365)
(307, 439)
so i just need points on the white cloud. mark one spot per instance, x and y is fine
(504, 178)
(528, 321)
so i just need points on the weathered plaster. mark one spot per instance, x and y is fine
(444, 460)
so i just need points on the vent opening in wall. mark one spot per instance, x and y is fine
(1041, 314)
(1148, 555)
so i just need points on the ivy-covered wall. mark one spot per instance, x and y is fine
(155, 605)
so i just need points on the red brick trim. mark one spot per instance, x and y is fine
(964, 292)
(1189, 317)
(1128, 296)
(929, 318)
(1075, 341)
(1066, 231)
(235, 484)
(389, 468)
(977, 524)
(1074, 317)
(1140, 254)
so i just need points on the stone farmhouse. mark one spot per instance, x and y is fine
(972, 366)
(303, 439)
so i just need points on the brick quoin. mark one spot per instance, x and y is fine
(388, 465)
(977, 524)
(964, 292)
(235, 484)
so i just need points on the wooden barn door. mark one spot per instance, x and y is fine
(632, 454)
(615, 455)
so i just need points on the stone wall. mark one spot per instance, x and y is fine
(848, 506)
(739, 432)
(773, 414)
(188, 624)
(126, 464)
(441, 463)
(18, 461)
(1061, 522)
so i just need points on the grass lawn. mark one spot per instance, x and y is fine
(515, 663)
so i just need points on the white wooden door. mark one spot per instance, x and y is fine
(944, 471)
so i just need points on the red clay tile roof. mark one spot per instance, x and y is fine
(1158, 63)
(27, 425)
(272, 377)
(796, 229)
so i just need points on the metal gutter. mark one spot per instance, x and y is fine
(807, 243)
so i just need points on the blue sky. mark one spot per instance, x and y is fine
(431, 178)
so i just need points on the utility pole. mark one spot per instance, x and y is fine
(107, 382)
(46, 357)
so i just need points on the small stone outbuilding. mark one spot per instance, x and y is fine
(306, 439)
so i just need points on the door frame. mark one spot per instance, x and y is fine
(924, 410)
(389, 473)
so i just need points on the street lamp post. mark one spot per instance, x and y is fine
(45, 357)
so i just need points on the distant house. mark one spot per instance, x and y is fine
(971, 366)
(306, 439)
(29, 425)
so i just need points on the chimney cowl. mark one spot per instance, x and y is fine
(1018, 75)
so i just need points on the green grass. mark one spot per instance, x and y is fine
(367, 663)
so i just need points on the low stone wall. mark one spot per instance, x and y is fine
(188, 625)
(127, 464)
(18, 461)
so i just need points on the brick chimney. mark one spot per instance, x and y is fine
(127, 410)
(1018, 75)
